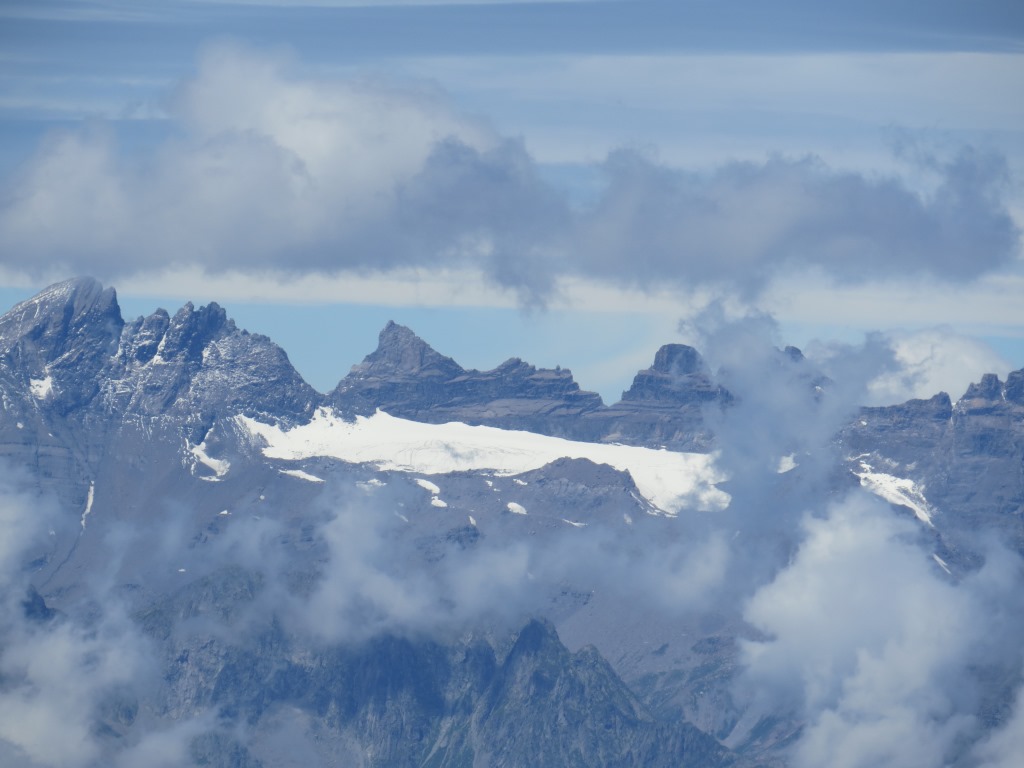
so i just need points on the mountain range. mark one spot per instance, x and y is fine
(435, 566)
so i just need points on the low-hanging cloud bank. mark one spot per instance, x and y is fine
(270, 170)
(884, 660)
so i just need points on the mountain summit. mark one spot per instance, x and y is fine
(400, 352)
(406, 377)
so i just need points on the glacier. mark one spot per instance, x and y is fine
(670, 481)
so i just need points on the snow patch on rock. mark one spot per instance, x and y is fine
(301, 475)
(427, 485)
(88, 503)
(41, 388)
(896, 490)
(219, 466)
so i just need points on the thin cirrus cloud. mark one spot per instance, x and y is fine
(268, 169)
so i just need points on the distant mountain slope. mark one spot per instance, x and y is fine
(405, 701)
(260, 574)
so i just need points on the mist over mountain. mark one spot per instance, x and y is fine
(205, 561)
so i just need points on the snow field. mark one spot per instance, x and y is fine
(669, 480)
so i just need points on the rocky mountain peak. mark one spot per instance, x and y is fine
(401, 352)
(514, 364)
(191, 330)
(55, 345)
(678, 360)
(794, 354)
(60, 318)
(145, 335)
(536, 638)
(990, 395)
(78, 293)
(1015, 387)
(989, 388)
(406, 377)
(678, 375)
(68, 350)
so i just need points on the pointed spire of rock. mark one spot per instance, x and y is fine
(401, 352)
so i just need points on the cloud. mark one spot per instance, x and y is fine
(375, 579)
(360, 569)
(1003, 747)
(860, 637)
(84, 685)
(56, 678)
(783, 401)
(62, 674)
(747, 222)
(269, 169)
(934, 360)
(165, 748)
(24, 524)
(775, 440)
(873, 648)
(274, 171)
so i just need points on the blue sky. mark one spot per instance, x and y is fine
(564, 182)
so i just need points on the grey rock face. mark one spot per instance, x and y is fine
(666, 403)
(78, 383)
(967, 456)
(401, 352)
(904, 430)
(61, 339)
(85, 360)
(405, 377)
(1013, 390)
(199, 362)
